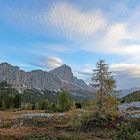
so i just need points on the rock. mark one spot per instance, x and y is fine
(69, 82)
(22, 80)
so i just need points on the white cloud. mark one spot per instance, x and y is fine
(129, 69)
(48, 63)
(60, 19)
(73, 22)
(84, 72)
(127, 75)
(115, 33)
(52, 62)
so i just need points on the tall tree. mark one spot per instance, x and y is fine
(104, 84)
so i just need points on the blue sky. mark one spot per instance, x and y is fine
(45, 34)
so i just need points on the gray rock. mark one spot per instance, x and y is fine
(22, 80)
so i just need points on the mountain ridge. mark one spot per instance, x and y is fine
(54, 80)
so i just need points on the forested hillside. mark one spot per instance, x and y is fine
(132, 97)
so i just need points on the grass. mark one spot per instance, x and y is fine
(57, 128)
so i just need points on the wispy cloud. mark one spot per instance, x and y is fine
(84, 72)
(48, 63)
(131, 69)
(53, 62)
(127, 75)
(75, 23)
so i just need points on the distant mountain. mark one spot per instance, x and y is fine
(132, 97)
(55, 80)
(125, 92)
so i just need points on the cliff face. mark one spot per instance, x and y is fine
(61, 77)
(69, 82)
(64, 72)
(28, 80)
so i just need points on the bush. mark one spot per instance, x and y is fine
(3, 106)
(126, 132)
(53, 108)
(26, 106)
(45, 105)
(135, 123)
(75, 120)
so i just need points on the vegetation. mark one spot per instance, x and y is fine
(104, 84)
(9, 97)
(64, 102)
(132, 97)
(125, 131)
(32, 99)
(75, 121)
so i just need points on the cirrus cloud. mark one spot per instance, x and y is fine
(73, 22)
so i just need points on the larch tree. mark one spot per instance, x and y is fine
(104, 83)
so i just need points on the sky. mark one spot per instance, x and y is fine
(44, 34)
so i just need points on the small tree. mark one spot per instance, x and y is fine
(1, 99)
(9, 100)
(75, 120)
(3, 105)
(45, 105)
(63, 101)
(17, 101)
(104, 84)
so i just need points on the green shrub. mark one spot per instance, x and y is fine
(53, 108)
(27, 106)
(75, 119)
(6, 125)
(3, 106)
(126, 132)
(135, 124)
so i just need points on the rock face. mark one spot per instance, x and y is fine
(64, 72)
(28, 80)
(69, 82)
(61, 77)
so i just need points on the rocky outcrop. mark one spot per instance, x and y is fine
(22, 80)
(64, 72)
(69, 82)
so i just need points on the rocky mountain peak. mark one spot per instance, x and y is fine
(7, 65)
(64, 72)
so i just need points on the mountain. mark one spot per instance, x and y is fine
(22, 80)
(132, 97)
(125, 92)
(55, 80)
(69, 82)
(64, 72)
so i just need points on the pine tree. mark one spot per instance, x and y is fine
(104, 84)
(17, 101)
(64, 101)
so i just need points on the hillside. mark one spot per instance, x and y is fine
(125, 92)
(132, 97)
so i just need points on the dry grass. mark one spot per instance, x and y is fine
(55, 127)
